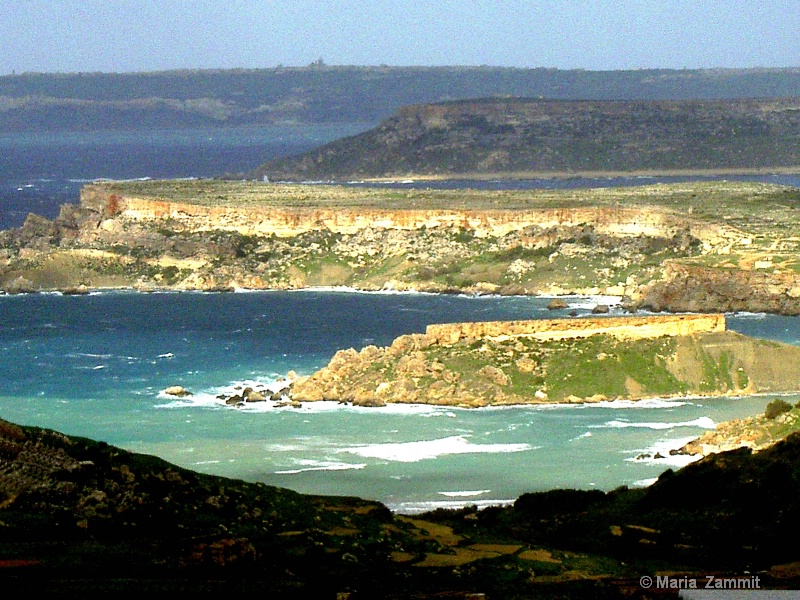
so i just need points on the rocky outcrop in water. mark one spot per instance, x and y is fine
(755, 433)
(689, 288)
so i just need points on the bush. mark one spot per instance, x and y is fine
(776, 408)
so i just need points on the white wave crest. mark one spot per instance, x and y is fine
(644, 482)
(306, 465)
(646, 403)
(415, 508)
(465, 494)
(659, 454)
(703, 422)
(427, 449)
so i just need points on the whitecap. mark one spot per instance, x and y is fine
(306, 465)
(703, 422)
(644, 482)
(465, 494)
(427, 449)
(645, 403)
(750, 316)
(662, 449)
(415, 508)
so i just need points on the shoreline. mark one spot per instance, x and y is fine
(88, 291)
(210, 399)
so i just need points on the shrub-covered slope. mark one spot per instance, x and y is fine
(524, 136)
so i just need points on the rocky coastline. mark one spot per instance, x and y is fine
(559, 361)
(688, 247)
(757, 433)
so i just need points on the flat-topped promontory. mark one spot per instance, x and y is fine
(685, 247)
(556, 361)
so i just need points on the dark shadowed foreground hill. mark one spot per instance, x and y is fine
(79, 516)
(524, 136)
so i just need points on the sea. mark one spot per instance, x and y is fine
(97, 365)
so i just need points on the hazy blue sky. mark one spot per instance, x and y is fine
(146, 35)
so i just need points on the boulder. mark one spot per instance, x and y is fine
(253, 396)
(600, 309)
(494, 375)
(557, 304)
(80, 290)
(365, 398)
(177, 390)
(307, 389)
(20, 285)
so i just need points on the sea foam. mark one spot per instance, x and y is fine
(427, 449)
(703, 422)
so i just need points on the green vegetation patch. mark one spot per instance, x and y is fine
(603, 365)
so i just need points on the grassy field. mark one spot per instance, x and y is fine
(737, 197)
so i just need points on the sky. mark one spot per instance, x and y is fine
(71, 36)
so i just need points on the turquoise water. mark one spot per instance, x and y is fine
(96, 366)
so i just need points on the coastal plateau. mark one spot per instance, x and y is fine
(561, 360)
(82, 517)
(702, 246)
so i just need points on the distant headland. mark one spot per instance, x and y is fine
(524, 137)
(684, 247)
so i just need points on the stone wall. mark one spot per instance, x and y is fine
(628, 328)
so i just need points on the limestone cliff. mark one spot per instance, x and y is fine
(272, 219)
(687, 287)
(691, 246)
(576, 360)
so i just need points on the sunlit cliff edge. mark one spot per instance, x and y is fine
(699, 247)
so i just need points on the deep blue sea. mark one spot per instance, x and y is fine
(41, 171)
(97, 365)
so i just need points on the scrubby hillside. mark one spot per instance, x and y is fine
(519, 136)
(508, 368)
(79, 517)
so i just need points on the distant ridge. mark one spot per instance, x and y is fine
(336, 94)
(522, 135)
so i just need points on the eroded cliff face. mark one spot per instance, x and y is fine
(282, 222)
(696, 288)
(126, 240)
(290, 237)
(623, 328)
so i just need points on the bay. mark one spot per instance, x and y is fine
(40, 171)
(96, 366)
